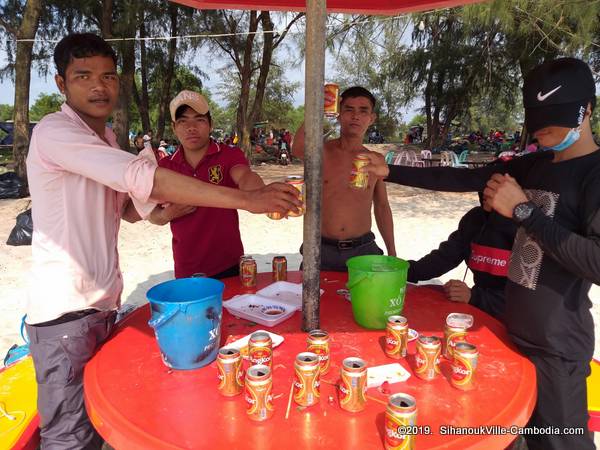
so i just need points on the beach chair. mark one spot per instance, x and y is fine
(412, 159)
(455, 162)
(389, 157)
(400, 158)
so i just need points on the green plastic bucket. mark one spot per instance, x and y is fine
(377, 285)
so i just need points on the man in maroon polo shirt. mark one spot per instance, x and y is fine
(205, 240)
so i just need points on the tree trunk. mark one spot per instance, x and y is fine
(246, 78)
(27, 30)
(106, 20)
(166, 87)
(121, 113)
(142, 101)
(428, 113)
(265, 65)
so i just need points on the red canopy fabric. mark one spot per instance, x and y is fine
(378, 7)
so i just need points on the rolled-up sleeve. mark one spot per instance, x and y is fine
(73, 149)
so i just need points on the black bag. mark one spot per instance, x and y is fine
(12, 186)
(23, 230)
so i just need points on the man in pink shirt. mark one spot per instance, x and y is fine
(81, 184)
(206, 240)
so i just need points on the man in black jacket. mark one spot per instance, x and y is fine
(554, 197)
(483, 240)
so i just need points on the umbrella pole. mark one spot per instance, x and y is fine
(316, 17)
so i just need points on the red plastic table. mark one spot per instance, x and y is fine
(136, 402)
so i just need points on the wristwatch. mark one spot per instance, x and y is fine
(523, 211)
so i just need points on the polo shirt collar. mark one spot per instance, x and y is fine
(179, 157)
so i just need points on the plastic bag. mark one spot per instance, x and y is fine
(23, 230)
(12, 186)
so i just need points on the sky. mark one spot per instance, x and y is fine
(293, 74)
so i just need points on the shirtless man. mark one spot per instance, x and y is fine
(346, 220)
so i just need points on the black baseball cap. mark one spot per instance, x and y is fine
(557, 93)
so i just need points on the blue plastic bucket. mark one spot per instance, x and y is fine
(186, 317)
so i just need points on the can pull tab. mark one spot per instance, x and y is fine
(459, 320)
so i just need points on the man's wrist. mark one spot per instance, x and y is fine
(245, 199)
(523, 211)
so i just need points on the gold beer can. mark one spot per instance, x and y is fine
(427, 357)
(242, 259)
(332, 100)
(230, 372)
(358, 179)
(260, 349)
(279, 265)
(318, 343)
(298, 183)
(353, 385)
(452, 335)
(396, 337)
(400, 422)
(464, 366)
(248, 271)
(258, 393)
(275, 215)
(306, 379)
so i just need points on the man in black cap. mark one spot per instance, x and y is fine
(554, 197)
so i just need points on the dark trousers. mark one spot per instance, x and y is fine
(60, 351)
(561, 402)
(334, 254)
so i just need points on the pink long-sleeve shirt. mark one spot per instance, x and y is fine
(79, 186)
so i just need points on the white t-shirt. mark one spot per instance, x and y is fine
(147, 142)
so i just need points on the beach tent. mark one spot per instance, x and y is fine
(316, 14)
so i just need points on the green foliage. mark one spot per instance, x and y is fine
(419, 119)
(6, 112)
(366, 57)
(45, 104)
(278, 108)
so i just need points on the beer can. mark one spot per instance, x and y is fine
(396, 337)
(318, 343)
(353, 384)
(248, 272)
(230, 372)
(275, 215)
(464, 365)
(279, 268)
(427, 357)
(306, 379)
(260, 349)
(242, 258)
(259, 398)
(298, 183)
(332, 100)
(452, 335)
(400, 421)
(358, 179)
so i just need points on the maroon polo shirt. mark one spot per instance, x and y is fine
(207, 240)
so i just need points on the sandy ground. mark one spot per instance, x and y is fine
(422, 219)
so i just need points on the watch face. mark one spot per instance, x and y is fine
(522, 211)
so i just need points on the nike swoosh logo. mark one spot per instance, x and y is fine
(541, 97)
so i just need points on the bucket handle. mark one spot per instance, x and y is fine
(159, 321)
(23, 333)
(358, 280)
